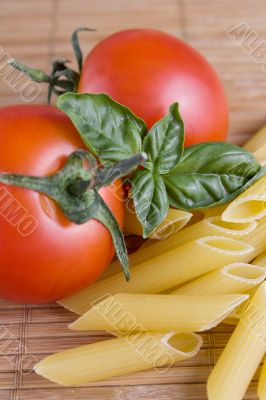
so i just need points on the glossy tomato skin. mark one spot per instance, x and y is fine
(148, 70)
(53, 257)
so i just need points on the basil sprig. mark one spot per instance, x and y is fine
(203, 175)
(110, 131)
(150, 199)
(164, 143)
(210, 174)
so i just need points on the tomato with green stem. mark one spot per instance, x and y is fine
(52, 256)
(147, 70)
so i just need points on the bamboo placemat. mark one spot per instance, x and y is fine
(36, 32)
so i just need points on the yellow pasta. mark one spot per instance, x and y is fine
(248, 232)
(232, 278)
(158, 312)
(174, 221)
(207, 227)
(236, 366)
(248, 206)
(167, 270)
(233, 319)
(119, 356)
(257, 140)
(262, 383)
(260, 155)
(213, 226)
(259, 261)
(257, 237)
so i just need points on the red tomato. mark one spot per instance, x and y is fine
(148, 70)
(43, 256)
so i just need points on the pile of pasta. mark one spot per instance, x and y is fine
(208, 270)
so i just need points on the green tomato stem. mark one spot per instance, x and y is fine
(75, 190)
(62, 79)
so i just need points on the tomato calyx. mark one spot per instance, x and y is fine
(75, 189)
(62, 78)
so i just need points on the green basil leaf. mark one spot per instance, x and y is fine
(110, 131)
(165, 141)
(150, 200)
(211, 174)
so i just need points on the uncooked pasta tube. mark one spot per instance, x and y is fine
(234, 318)
(232, 278)
(242, 355)
(119, 356)
(207, 227)
(257, 238)
(260, 260)
(249, 232)
(158, 312)
(167, 270)
(262, 383)
(248, 206)
(174, 222)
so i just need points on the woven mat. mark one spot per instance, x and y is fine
(35, 32)
(29, 333)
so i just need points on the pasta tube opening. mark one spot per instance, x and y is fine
(186, 344)
(233, 228)
(252, 274)
(248, 206)
(247, 210)
(225, 245)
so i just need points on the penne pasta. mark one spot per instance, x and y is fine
(262, 383)
(236, 366)
(249, 232)
(158, 312)
(259, 261)
(233, 319)
(233, 278)
(207, 227)
(256, 238)
(248, 206)
(257, 140)
(173, 222)
(167, 270)
(119, 356)
(260, 155)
